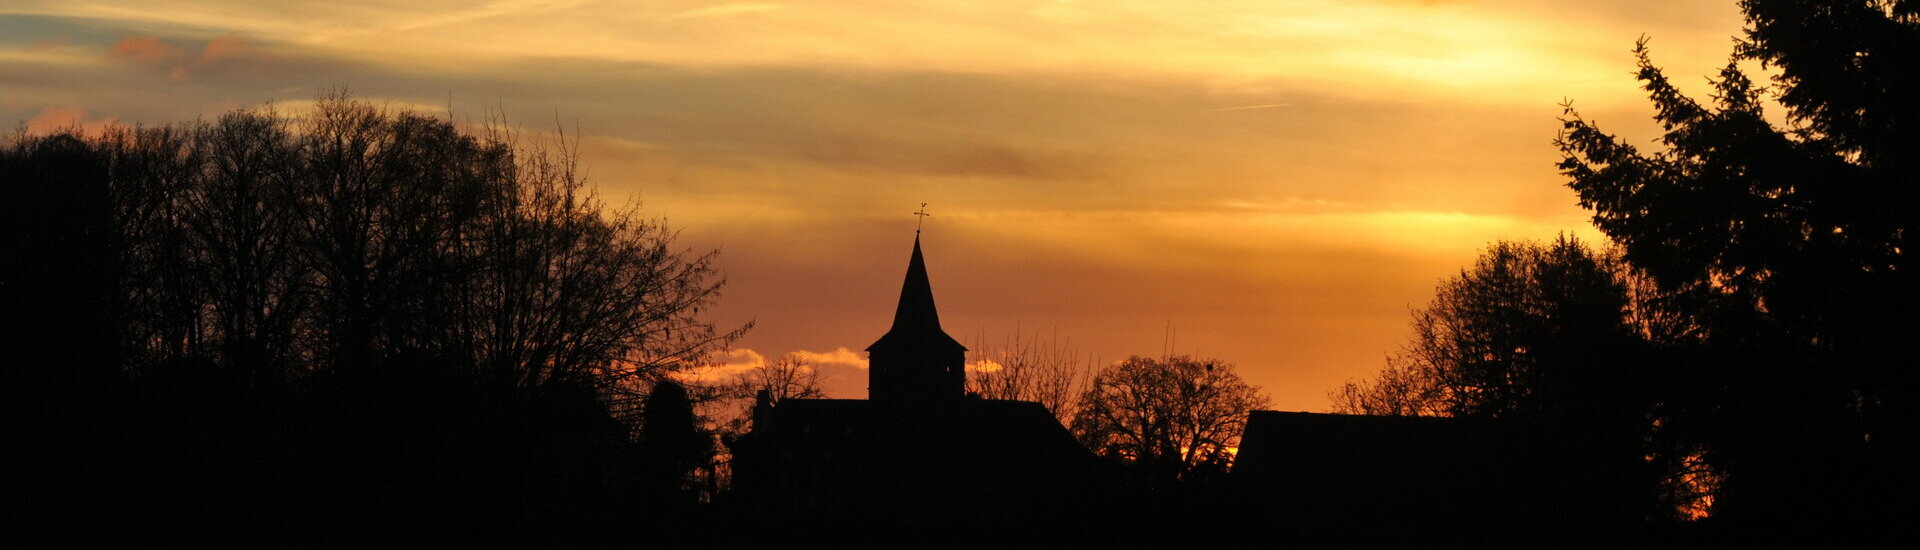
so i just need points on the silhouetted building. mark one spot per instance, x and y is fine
(920, 447)
(1358, 477)
(916, 363)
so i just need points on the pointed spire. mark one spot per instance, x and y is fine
(916, 307)
(916, 322)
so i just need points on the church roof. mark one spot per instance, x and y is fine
(916, 324)
(978, 425)
(979, 454)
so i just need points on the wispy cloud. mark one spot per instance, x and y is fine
(731, 8)
(1497, 51)
(838, 356)
(489, 10)
(1249, 107)
(842, 371)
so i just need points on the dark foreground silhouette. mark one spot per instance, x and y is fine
(348, 326)
(363, 326)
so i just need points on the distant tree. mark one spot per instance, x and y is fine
(1027, 368)
(728, 403)
(1786, 248)
(1170, 419)
(786, 377)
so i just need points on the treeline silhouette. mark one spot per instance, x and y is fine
(358, 324)
(336, 327)
(1747, 351)
(1559, 338)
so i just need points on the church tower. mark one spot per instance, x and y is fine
(916, 362)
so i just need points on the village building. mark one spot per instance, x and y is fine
(919, 445)
(1362, 478)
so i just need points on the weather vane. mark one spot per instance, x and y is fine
(922, 214)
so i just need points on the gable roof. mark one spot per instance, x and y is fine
(977, 425)
(976, 454)
(1406, 478)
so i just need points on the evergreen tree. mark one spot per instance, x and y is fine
(1786, 249)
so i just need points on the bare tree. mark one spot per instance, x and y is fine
(381, 290)
(727, 404)
(1027, 368)
(338, 240)
(786, 377)
(155, 169)
(1173, 419)
(239, 221)
(1402, 388)
(568, 289)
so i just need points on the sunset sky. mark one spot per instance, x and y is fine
(1279, 181)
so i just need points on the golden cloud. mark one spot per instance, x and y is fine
(145, 49)
(838, 356)
(228, 46)
(222, 54)
(55, 119)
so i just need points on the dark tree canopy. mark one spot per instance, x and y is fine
(1786, 250)
(327, 243)
(673, 442)
(1546, 335)
(1539, 331)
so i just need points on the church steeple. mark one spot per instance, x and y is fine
(916, 360)
(916, 321)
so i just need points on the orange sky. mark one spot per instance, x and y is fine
(1279, 181)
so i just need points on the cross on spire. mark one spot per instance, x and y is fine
(922, 214)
